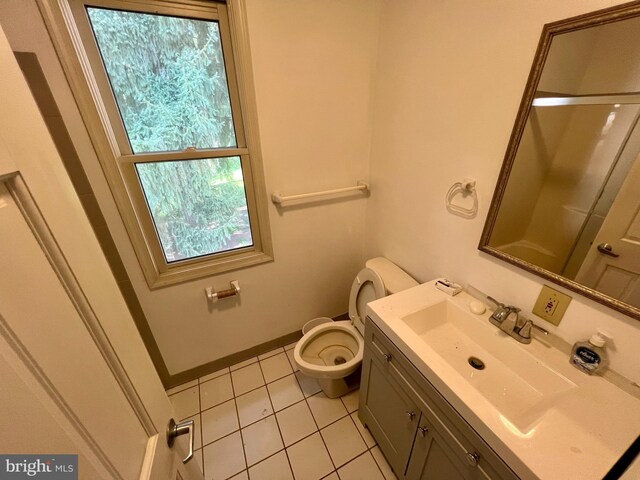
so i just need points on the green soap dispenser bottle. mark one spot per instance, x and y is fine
(591, 357)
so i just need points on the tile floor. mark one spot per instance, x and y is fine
(262, 419)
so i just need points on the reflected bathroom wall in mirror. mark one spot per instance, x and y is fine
(567, 203)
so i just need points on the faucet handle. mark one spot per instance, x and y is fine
(525, 331)
(494, 301)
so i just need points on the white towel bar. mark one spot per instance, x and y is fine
(277, 198)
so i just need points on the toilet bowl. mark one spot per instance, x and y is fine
(332, 352)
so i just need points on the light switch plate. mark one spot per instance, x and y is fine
(551, 305)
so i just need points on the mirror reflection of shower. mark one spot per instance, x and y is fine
(570, 165)
(567, 206)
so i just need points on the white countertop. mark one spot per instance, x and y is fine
(580, 437)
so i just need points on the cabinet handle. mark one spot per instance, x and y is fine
(387, 356)
(473, 458)
(423, 431)
(411, 415)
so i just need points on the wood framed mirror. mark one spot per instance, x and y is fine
(567, 203)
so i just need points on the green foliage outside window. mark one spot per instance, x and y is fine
(197, 210)
(168, 77)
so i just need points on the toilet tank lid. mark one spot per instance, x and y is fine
(394, 278)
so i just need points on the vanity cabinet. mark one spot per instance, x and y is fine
(420, 434)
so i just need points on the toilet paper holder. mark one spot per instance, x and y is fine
(214, 296)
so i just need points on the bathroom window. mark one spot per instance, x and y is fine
(172, 102)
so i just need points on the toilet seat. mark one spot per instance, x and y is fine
(367, 287)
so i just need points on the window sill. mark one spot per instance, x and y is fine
(183, 273)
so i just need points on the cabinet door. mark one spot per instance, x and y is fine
(388, 412)
(434, 459)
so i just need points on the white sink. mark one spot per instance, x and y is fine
(546, 419)
(521, 387)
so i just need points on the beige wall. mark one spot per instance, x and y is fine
(449, 80)
(313, 64)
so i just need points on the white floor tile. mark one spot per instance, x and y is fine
(309, 459)
(326, 410)
(213, 375)
(246, 379)
(292, 361)
(240, 476)
(343, 441)
(332, 476)
(351, 400)
(216, 391)
(197, 457)
(382, 463)
(276, 367)
(362, 468)
(253, 406)
(183, 440)
(261, 440)
(224, 458)
(274, 467)
(296, 422)
(366, 434)
(308, 385)
(185, 403)
(271, 353)
(246, 363)
(284, 392)
(291, 346)
(219, 421)
(184, 386)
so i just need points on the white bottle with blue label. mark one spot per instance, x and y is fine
(591, 357)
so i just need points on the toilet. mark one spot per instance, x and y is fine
(332, 351)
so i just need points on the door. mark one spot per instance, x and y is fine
(431, 459)
(615, 270)
(388, 412)
(76, 378)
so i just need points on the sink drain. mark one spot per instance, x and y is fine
(476, 363)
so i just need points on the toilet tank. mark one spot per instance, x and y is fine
(394, 278)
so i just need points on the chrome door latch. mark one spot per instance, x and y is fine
(607, 249)
(175, 430)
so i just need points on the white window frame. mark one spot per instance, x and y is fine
(73, 38)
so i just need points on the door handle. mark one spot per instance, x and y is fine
(607, 249)
(175, 430)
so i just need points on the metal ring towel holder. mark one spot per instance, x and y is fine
(466, 187)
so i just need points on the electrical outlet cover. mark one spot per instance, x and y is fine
(551, 305)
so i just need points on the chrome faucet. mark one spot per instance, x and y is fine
(521, 327)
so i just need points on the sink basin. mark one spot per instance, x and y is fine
(520, 387)
(544, 418)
